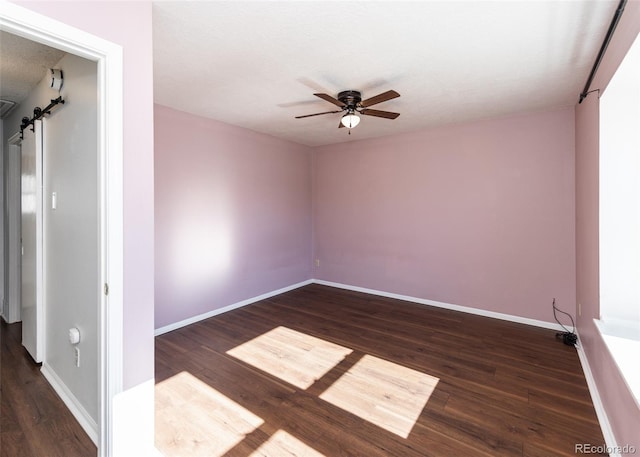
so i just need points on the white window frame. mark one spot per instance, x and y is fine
(619, 321)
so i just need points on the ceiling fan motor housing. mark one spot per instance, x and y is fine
(351, 98)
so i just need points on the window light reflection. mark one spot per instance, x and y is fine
(292, 356)
(194, 419)
(282, 444)
(28, 190)
(384, 393)
(200, 253)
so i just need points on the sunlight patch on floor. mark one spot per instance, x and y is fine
(194, 419)
(292, 356)
(282, 444)
(384, 393)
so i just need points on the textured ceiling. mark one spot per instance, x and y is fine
(23, 64)
(257, 64)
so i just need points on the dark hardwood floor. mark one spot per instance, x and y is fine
(322, 371)
(34, 422)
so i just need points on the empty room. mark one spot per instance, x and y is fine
(342, 229)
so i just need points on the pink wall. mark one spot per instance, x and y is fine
(479, 215)
(233, 214)
(129, 25)
(618, 402)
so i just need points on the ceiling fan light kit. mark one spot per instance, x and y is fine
(351, 102)
(350, 120)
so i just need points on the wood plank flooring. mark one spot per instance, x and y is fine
(320, 371)
(34, 422)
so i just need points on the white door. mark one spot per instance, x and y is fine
(31, 210)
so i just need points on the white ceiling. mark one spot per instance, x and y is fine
(257, 64)
(23, 64)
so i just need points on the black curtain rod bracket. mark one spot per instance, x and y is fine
(603, 49)
(38, 113)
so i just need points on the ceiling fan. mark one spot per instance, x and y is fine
(351, 102)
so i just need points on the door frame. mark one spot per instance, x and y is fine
(12, 229)
(108, 56)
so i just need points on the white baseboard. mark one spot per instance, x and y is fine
(422, 301)
(82, 416)
(607, 432)
(464, 309)
(225, 309)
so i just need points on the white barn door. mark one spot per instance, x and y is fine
(31, 210)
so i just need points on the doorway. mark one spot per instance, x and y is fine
(107, 59)
(59, 243)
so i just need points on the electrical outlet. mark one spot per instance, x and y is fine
(77, 352)
(317, 263)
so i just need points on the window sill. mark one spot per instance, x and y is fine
(623, 342)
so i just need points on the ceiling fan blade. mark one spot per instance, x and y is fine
(378, 113)
(330, 99)
(340, 124)
(318, 114)
(383, 97)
